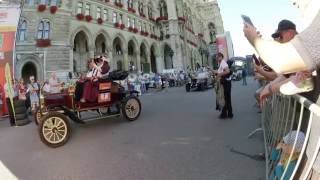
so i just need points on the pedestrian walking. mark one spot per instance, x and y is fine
(244, 77)
(54, 83)
(22, 90)
(33, 89)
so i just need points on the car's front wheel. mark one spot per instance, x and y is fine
(131, 108)
(54, 129)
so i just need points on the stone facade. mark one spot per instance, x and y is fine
(150, 35)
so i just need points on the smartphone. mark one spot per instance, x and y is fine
(247, 19)
(256, 60)
(267, 68)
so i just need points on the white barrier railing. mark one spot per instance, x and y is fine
(284, 116)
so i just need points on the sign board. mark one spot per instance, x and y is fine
(222, 46)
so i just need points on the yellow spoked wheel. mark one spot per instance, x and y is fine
(54, 129)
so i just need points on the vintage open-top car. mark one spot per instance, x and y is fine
(199, 80)
(57, 109)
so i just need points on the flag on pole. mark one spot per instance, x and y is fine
(9, 87)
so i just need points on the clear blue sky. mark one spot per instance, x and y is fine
(265, 15)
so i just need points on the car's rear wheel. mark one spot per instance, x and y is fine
(38, 115)
(54, 129)
(131, 108)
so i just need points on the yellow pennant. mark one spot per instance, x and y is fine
(9, 87)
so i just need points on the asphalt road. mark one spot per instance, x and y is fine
(177, 137)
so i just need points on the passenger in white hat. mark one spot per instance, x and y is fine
(103, 66)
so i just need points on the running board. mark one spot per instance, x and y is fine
(99, 118)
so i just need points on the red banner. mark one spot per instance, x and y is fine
(9, 17)
(222, 46)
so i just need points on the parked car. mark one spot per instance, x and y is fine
(200, 80)
(57, 110)
(237, 75)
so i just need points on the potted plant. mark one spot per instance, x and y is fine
(117, 25)
(131, 10)
(88, 18)
(80, 17)
(100, 20)
(42, 7)
(152, 19)
(118, 4)
(142, 15)
(53, 9)
(183, 19)
(43, 43)
(162, 18)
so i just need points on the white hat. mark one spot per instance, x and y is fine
(290, 138)
(105, 59)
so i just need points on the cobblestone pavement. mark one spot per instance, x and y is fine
(178, 137)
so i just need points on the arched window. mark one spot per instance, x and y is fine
(212, 31)
(55, 2)
(29, 2)
(140, 7)
(22, 31)
(43, 30)
(150, 10)
(191, 23)
(46, 2)
(103, 47)
(163, 8)
(130, 3)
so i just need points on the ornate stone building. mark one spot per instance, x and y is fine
(151, 35)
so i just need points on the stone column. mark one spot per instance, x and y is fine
(112, 61)
(91, 52)
(160, 63)
(71, 59)
(149, 62)
(138, 60)
(125, 60)
(172, 13)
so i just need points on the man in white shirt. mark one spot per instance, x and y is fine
(223, 74)
(54, 83)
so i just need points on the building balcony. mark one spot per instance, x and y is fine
(43, 43)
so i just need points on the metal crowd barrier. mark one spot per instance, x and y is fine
(282, 115)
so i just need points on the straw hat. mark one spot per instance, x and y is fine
(290, 138)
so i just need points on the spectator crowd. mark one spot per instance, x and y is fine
(290, 65)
